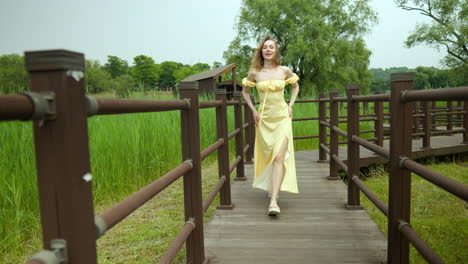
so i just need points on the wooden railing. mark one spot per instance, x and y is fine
(402, 130)
(60, 109)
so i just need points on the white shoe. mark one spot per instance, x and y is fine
(273, 210)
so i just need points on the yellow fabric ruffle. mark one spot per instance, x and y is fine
(292, 79)
(248, 83)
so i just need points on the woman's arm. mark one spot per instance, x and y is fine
(246, 95)
(295, 86)
(295, 92)
(246, 90)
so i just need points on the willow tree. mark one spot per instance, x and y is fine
(447, 29)
(320, 40)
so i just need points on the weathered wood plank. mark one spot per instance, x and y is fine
(314, 226)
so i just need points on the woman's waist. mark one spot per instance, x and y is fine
(273, 104)
(272, 99)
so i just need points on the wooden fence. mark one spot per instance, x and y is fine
(403, 128)
(60, 108)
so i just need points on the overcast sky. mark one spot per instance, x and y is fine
(187, 31)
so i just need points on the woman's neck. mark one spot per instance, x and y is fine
(268, 64)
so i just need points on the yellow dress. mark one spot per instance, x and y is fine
(274, 125)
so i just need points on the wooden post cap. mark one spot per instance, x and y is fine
(402, 76)
(54, 60)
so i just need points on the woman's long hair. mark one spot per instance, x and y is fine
(258, 61)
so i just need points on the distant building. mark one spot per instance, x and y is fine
(209, 81)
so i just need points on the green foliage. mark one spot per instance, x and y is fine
(216, 64)
(124, 85)
(201, 67)
(320, 40)
(116, 66)
(240, 54)
(448, 28)
(145, 71)
(167, 79)
(96, 79)
(13, 76)
(425, 78)
(187, 70)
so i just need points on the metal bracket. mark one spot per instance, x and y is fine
(402, 159)
(402, 224)
(189, 103)
(44, 105)
(92, 106)
(57, 254)
(101, 226)
(402, 95)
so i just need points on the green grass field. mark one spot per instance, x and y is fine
(440, 218)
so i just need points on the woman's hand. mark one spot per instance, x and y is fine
(290, 111)
(255, 117)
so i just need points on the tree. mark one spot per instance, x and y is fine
(166, 74)
(201, 67)
(188, 70)
(145, 71)
(116, 66)
(448, 29)
(241, 54)
(320, 40)
(96, 79)
(124, 85)
(216, 64)
(13, 76)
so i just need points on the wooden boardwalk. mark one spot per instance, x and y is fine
(314, 226)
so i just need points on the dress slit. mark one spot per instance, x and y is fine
(264, 180)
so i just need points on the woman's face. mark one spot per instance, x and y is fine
(269, 50)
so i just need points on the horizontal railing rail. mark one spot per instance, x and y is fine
(402, 100)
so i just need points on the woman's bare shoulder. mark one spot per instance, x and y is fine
(287, 71)
(251, 75)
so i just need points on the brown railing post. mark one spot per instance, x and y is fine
(353, 148)
(449, 116)
(322, 129)
(465, 122)
(248, 134)
(426, 140)
(190, 128)
(400, 178)
(223, 151)
(239, 137)
(378, 124)
(253, 130)
(459, 116)
(415, 119)
(333, 135)
(62, 154)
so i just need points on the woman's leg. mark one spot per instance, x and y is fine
(277, 174)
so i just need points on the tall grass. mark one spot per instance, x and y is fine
(438, 217)
(127, 152)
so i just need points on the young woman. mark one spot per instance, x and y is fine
(274, 150)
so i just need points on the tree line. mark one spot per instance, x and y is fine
(425, 78)
(114, 76)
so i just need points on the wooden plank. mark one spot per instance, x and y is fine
(314, 226)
